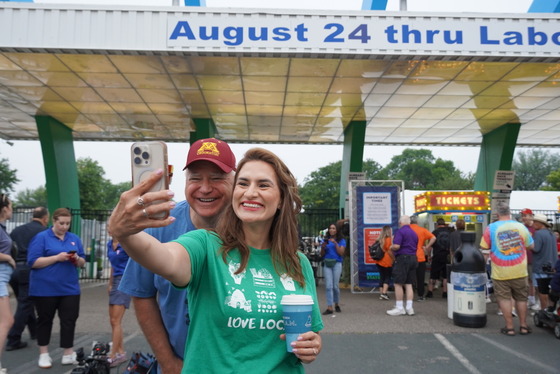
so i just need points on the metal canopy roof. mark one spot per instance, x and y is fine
(113, 74)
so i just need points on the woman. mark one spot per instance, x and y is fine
(236, 275)
(385, 265)
(7, 266)
(332, 251)
(54, 255)
(118, 301)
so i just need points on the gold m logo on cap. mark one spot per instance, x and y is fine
(208, 148)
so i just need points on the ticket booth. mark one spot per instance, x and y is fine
(471, 206)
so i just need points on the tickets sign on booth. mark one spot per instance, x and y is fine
(471, 206)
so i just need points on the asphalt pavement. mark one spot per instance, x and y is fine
(360, 339)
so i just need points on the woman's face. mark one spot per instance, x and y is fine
(256, 195)
(332, 230)
(7, 212)
(61, 225)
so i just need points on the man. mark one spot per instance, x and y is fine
(455, 237)
(210, 172)
(508, 241)
(405, 243)
(25, 311)
(440, 258)
(527, 219)
(544, 255)
(422, 250)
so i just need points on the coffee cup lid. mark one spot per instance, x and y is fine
(297, 300)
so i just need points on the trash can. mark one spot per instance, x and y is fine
(468, 279)
(449, 293)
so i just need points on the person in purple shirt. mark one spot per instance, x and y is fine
(118, 301)
(404, 247)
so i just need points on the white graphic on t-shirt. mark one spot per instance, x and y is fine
(237, 300)
(263, 278)
(266, 302)
(232, 268)
(287, 282)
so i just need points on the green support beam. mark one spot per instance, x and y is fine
(352, 157)
(205, 128)
(496, 153)
(57, 145)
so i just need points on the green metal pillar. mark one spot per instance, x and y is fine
(352, 157)
(496, 153)
(205, 128)
(57, 144)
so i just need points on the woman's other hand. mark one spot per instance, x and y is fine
(307, 347)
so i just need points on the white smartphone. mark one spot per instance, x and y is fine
(147, 157)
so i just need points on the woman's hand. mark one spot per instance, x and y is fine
(134, 212)
(307, 346)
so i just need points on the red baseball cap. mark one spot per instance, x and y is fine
(527, 211)
(213, 150)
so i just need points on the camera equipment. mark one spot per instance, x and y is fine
(96, 363)
(547, 268)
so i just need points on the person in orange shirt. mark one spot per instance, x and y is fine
(424, 235)
(385, 265)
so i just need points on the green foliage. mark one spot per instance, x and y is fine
(8, 178)
(420, 170)
(553, 181)
(321, 190)
(31, 198)
(96, 192)
(532, 168)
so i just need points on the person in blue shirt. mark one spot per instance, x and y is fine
(54, 255)
(161, 309)
(332, 251)
(118, 301)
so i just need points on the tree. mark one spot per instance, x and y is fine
(321, 189)
(532, 167)
(8, 178)
(96, 192)
(31, 198)
(553, 181)
(420, 170)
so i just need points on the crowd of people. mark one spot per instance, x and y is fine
(231, 249)
(228, 252)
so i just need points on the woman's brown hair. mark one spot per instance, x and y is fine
(283, 232)
(61, 212)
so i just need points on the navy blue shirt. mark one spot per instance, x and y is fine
(23, 234)
(407, 239)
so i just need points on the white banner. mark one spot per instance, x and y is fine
(366, 34)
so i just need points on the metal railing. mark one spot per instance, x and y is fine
(91, 227)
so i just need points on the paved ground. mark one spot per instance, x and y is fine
(361, 339)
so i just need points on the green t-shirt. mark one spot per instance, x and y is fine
(236, 320)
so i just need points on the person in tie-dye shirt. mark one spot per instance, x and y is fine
(508, 241)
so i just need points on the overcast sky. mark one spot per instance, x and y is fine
(26, 157)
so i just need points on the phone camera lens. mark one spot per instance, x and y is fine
(137, 150)
(145, 155)
(137, 160)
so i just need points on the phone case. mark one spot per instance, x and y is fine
(147, 157)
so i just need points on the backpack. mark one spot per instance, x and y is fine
(376, 251)
(443, 241)
(141, 363)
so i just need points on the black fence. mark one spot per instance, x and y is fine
(91, 227)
